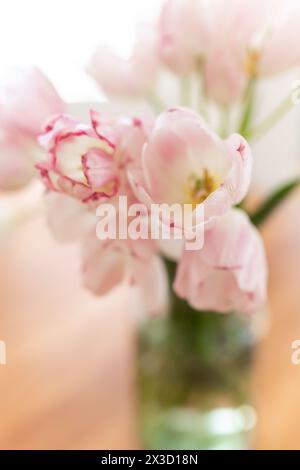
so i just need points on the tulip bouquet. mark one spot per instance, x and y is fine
(189, 148)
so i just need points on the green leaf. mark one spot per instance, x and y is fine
(273, 201)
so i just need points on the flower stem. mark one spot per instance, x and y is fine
(202, 94)
(224, 122)
(155, 102)
(248, 108)
(270, 121)
(273, 201)
(185, 89)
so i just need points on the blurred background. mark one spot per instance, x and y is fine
(69, 378)
(60, 36)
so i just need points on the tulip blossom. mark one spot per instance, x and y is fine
(134, 77)
(184, 30)
(229, 273)
(250, 39)
(28, 103)
(184, 162)
(106, 264)
(89, 162)
(29, 100)
(225, 81)
(278, 49)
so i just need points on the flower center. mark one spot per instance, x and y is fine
(251, 62)
(199, 188)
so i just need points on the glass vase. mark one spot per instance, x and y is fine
(193, 380)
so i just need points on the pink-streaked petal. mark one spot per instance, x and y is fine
(100, 172)
(72, 188)
(103, 128)
(45, 169)
(56, 124)
(69, 149)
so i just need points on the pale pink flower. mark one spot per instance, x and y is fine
(228, 59)
(89, 162)
(134, 77)
(111, 263)
(230, 272)
(269, 36)
(184, 162)
(108, 263)
(184, 31)
(224, 79)
(250, 38)
(29, 100)
(278, 47)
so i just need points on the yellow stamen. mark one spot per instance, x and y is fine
(198, 189)
(251, 62)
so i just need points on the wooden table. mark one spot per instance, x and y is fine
(68, 382)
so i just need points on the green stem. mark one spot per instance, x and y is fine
(224, 121)
(156, 103)
(248, 107)
(185, 89)
(273, 201)
(202, 95)
(270, 121)
(220, 342)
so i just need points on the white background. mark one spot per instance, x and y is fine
(59, 36)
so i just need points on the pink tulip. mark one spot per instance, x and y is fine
(229, 273)
(269, 33)
(129, 78)
(280, 48)
(184, 30)
(29, 100)
(249, 38)
(184, 162)
(224, 78)
(104, 266)
(108, 263)
(89, 162)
